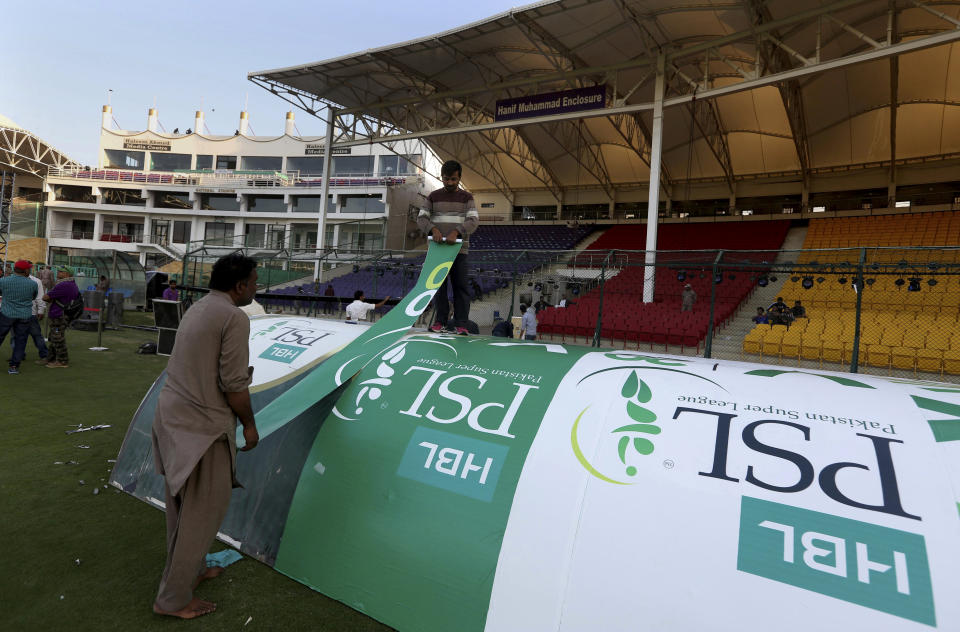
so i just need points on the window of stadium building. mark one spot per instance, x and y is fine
(585, 211)
(169, 162)
(361, 204)
(261, 163)
(130, 197)
(204, 161)
(218, 233)
(254, 235)
(212, 202)
(129, 232)
(534, 212)
(399, 165)
(67, 193)
(123, 159)
(172, 199)
(361, 237)
(352, 165)
(266, 204)
(181, 232)
(311, 204)
(226, 162)
(81, 229)
(307, 165)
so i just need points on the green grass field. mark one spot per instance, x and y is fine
(49, 520)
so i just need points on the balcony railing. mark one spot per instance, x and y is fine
(216, 180)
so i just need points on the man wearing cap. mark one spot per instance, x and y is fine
(687, 298)
(18, 293)
(38, 309)
(59, 297)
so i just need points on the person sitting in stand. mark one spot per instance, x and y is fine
(761, 317)
(778, 305)
(799, 311)
(780, 315)
(358, 309)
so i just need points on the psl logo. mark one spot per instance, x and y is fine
(634, 392)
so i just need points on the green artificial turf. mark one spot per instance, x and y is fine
(49, 520)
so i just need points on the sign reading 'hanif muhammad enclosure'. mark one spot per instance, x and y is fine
(578, 100)
(146, 145)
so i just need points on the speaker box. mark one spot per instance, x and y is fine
(165, 340)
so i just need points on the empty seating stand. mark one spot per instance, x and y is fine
(628, 319)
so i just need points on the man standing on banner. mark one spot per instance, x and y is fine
(62, 294)
(194, 429)
(450, 213)
(18, 293)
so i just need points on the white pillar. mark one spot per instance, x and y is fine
(152, 119)
(325, 189)
(653, 201)
(198, 122)
(97, 226)
(244, 123)
(288, 128)
(106, 117)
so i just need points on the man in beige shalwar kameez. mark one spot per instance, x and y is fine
(194, 430)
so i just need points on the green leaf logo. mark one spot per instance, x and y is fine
(636, 392)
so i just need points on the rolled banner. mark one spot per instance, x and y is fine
(350, 360)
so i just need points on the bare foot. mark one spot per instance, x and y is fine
(196, 608)
(210, 573)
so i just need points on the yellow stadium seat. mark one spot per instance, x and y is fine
(771, 341)
(790, 345)
(929, 360)
(903, 358)
(892, 337)
(914, 337)
(753, 340)
(939, 340)
(831, 350)
(810, 346)
(951, 362)
(878, 355)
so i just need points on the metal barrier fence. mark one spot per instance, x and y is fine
(882, 310)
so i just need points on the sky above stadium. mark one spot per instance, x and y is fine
(59, 72)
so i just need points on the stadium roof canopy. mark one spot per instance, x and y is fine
(23, 152)
(752, 89)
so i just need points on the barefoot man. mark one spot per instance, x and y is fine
(194, 445)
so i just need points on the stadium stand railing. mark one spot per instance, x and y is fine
(875, 308)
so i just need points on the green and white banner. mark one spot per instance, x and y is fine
(328, 376)
(488, 484)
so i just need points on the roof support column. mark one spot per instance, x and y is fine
(653, 201)
(325, 188)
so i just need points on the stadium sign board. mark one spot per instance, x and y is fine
(577, 100)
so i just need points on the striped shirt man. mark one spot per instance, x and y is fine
(446, 211)
(18, 292)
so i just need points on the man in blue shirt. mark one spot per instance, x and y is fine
(18, 293)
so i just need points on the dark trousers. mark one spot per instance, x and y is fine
(21, 331)
(461, 294)
(37, 334)
(58, 341)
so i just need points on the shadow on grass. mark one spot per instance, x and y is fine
(49, 519)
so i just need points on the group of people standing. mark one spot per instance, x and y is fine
(25, 300)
